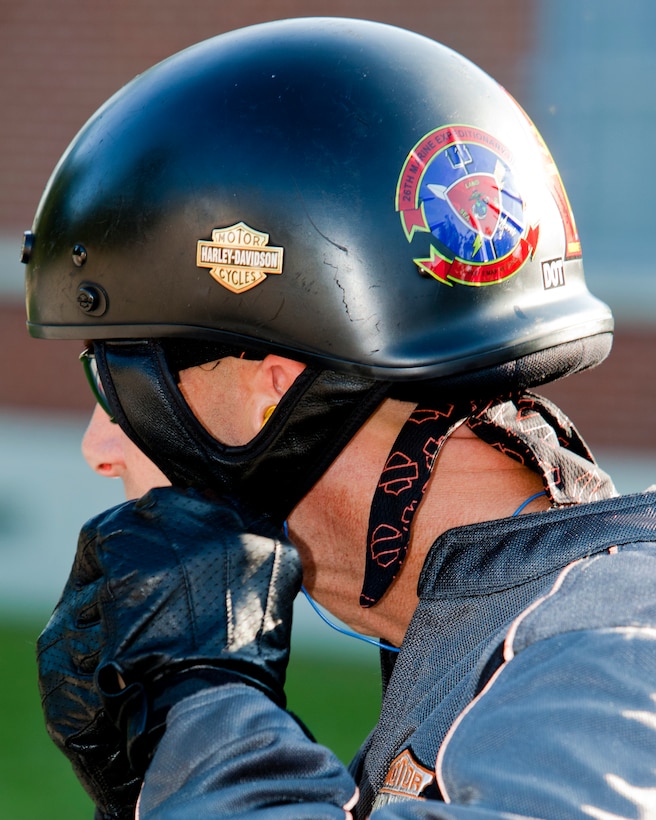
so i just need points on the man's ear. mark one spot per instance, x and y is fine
(276, 375)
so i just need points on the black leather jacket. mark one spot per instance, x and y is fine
(525, 686)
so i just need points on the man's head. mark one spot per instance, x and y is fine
(340, 193)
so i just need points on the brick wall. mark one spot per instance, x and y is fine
(614, 405)
(60, 59)
(37, 375)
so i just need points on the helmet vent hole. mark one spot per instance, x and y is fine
(79, 255)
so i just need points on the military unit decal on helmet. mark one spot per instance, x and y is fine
(239, 257)
(457, 183)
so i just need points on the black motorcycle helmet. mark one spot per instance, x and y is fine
(341, 192)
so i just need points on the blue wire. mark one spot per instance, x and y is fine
(334, 626)
(343, 631)
(527, 502)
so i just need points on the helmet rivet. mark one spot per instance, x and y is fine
(28, 246)
(92, 299)
(79, 255)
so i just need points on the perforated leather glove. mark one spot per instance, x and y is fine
(67, 655)
(194, 594)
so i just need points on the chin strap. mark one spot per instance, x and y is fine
(400, 490)
(527, 428)
(314, 421)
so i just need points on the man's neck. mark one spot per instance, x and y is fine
(471, 483)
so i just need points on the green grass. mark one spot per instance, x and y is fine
(337, 699)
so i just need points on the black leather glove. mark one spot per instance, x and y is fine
(67, 654)
(194, 594)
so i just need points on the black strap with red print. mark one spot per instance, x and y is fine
(527, 428)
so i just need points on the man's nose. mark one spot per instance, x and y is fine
(102, 445)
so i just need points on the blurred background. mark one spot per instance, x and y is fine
(583, 69)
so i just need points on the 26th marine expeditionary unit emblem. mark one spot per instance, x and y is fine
(458, 184)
